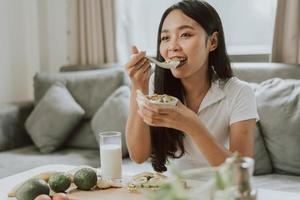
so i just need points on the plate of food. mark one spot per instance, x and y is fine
(149, 181)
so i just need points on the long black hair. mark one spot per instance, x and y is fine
(167, 142)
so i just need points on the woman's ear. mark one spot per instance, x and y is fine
(213, 41)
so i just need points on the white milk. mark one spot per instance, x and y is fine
(111, 161)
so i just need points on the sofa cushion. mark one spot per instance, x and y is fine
(12, 129)
(53, 118)
(262, 159)
(278, 104)
(83, 137)
(112, 115)
(89, 88)
(263, 164)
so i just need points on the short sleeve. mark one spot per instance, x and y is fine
(244, 106)
(151, 84)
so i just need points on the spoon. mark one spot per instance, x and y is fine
(166, 65)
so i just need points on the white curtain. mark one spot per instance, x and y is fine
(124, 29)
(91, 35)
(286, 42)
(33, 38)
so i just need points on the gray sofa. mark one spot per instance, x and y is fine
(18, 153)
(91, 89)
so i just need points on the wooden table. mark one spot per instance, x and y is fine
(9, 182)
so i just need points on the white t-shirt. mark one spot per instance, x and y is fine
(223, 105)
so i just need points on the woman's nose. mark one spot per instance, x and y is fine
(173, 45)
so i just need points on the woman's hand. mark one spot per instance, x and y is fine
(138, 69)
(178, 117)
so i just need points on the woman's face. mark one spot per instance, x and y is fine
(183, 38)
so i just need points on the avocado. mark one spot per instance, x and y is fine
(85, 179)
(31, 189)
(59, 182)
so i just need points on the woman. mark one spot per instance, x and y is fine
(216, 112)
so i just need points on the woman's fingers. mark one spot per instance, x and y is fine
(134, 50)
(165, 116)
(150, 114)
(138, 65)
(141, 63)
(152, 120)
(135, 59)
(146, 67)
(159, 109)
(142, 67)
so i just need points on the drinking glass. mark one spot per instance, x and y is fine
(110, 143)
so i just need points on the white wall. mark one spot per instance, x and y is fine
(32, 38)
(248, 24)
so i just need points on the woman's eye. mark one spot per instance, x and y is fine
(186, 35)
(164, 38)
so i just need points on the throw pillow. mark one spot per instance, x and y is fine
(278, 104)
(112, 115)
(82, 137)
(88, 88)
(53, 118)
(262, 164)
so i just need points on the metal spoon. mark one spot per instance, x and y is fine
(169, 65)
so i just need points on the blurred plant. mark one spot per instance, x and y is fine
(174, 189)
(222, 185)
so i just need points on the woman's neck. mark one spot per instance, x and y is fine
(197, 84)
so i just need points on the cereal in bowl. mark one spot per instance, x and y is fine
(163, 99)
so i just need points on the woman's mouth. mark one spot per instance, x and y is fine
(182, 60)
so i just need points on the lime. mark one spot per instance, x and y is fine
(85, 179)
(59, 182)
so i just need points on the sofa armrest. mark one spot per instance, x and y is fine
(12, 129)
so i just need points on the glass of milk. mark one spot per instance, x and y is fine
(110, 143)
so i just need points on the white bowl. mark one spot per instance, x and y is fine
(141, 99)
